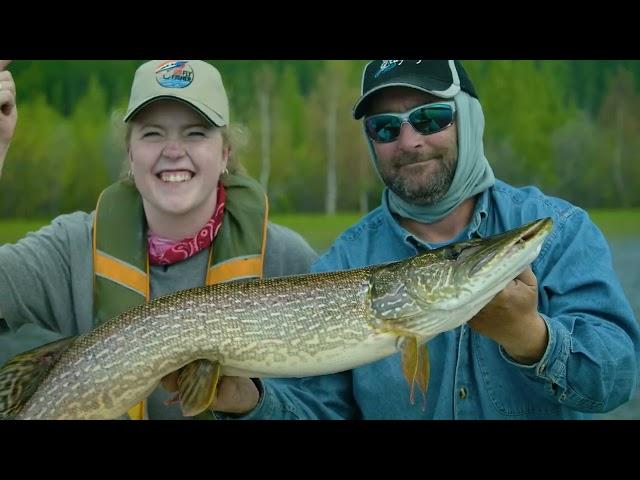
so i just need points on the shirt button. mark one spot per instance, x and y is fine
(462, 393)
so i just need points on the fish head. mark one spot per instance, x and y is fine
(443, 288)
(450, 277)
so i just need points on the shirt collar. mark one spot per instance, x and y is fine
(477, 227)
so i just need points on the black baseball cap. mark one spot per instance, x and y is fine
(442, 78)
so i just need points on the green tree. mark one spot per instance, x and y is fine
(578, 163)
(619, 122)
(85, 169)
(524, 103)
(32, 177)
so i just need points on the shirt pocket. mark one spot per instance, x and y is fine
(512, 392)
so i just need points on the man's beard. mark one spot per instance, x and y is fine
(427, 192)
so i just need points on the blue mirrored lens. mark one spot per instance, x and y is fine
(426, 119)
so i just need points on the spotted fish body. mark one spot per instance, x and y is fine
(283, 327)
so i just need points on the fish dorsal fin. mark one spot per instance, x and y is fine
(197, 385)
(415, 366)
(20, 376)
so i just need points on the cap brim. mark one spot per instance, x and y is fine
(436, 88)
(209, 114)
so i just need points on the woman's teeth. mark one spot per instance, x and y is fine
(175, 177)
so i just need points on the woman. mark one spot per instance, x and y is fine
(185, 216)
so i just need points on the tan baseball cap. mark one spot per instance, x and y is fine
(193, 82)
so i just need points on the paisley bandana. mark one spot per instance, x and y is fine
(163, 251)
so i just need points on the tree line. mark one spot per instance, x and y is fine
(569, 127)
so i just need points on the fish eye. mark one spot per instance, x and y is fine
(452, 253)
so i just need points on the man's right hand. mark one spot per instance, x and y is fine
(235, 395)
(8, 110)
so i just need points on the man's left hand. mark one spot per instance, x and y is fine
(512, 320)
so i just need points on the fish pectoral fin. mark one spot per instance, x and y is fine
(197, 385)
(415, 366)
(20, 376)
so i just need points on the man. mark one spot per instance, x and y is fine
(560, 341)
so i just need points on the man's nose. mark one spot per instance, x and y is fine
(409, 138)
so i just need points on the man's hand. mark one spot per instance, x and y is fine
(235, 395)
(512, 320)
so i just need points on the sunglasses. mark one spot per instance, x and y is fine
(425, 119)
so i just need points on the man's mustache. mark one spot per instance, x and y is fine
(411, 158)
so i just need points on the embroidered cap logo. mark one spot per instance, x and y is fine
(174, 74)
(387, 65)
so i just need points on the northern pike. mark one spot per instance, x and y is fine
(295, 326)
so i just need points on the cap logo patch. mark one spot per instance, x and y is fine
(388, 65)
(174, 74)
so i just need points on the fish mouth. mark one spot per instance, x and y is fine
(527, 239)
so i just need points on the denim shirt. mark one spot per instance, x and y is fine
(590, 363)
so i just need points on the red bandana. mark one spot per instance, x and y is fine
(163, 251)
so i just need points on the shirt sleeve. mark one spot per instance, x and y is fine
(592, 357)
(325, 397)
(287, 253)
(37, 301)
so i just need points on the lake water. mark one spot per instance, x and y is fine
(626, 261)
